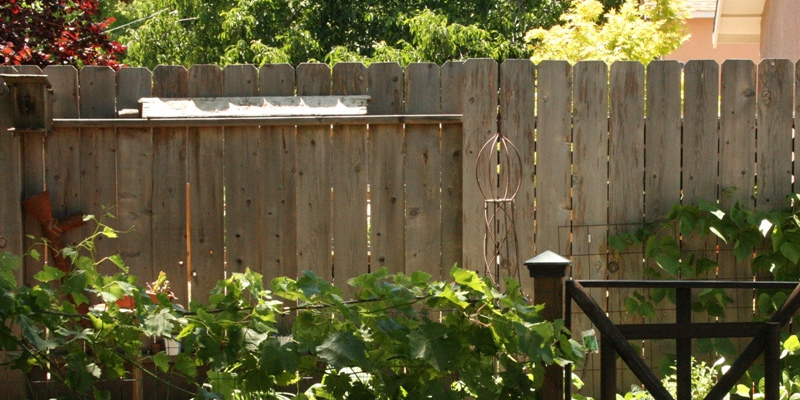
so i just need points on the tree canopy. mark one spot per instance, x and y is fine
(43, 32)
(261, 31)
(634, 32)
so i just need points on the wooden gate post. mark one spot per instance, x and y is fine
(548, 270)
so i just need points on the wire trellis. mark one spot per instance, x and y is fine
(498, 172)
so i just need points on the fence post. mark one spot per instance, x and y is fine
(547, 270)
(772, 360)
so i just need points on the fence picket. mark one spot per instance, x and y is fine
(452, 80)
(626, 170)
(736, 170)
(277, 196)
(589, 188)
(62, 148)
(479, 124)
(169, 190)
(98, 148)
(554, 157)
(662, 169)
(775, 102)
(135, 179)
(349, 181)
(11, 239)
(517, 123)
(242, 178)
(313, 179)
(422, 172)
(205, 165)
(386, 145)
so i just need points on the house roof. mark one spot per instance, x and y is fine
(737, 21)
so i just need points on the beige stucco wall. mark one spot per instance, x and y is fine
(699, 46)
(780, 29)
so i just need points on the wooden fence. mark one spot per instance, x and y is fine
(604, 149)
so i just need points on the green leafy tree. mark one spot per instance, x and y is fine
(261, 31)
(634, 32)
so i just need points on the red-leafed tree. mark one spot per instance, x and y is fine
(45, 32)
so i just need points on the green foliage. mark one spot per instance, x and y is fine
(401, 336)
(268, 31)
(768, 240)
(704, 377)
(634, 32)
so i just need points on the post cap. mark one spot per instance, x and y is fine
(547, 264)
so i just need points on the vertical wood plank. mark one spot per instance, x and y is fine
(11, 179)
(64, 80)
(517, 123)
(135, 179)
(205, 164)
(386, 147)
(135, 193)
(662, 169)
(277, 197)
(422, 172)
(480, 123)
(626, 170)
(775, 103)
(97, 92)
(11, 221)
(700, 152)
(169, 188)
(553, 153)
(589, 187)
(314, 179)
(737, 175)
(242, 177)
(452, 84)
(98, 154)
(33, 183)
(62, 153)
(132, 85)
(349, 181)
(170, 81)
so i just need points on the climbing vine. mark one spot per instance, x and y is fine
(402, 336)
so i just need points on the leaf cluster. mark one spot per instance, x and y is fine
(402, 336)
(634, 32)
(769, 241)
(56, 32)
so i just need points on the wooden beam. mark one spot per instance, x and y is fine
(610, 333)
(259, 121)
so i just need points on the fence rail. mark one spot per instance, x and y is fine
(604, 148)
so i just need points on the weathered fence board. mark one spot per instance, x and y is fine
(242, 233)
(422, 164)
(135, 179)
(170, 251)
(517, 123)
(277, 196)
(314, 179)
(452, 78)
(480, 123)
(349, 182)
(206, 189)
(662, 175)
(385, 164)
(589, 185)
(775, 101)
(737, 175)
(553, 157)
